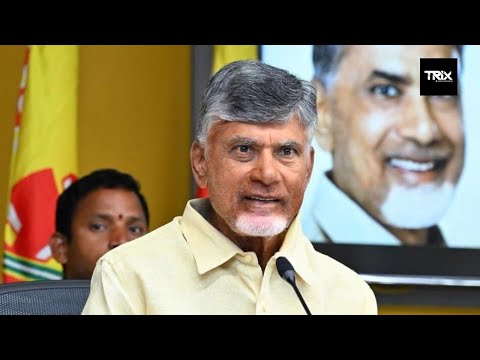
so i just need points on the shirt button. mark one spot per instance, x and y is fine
(248, 259)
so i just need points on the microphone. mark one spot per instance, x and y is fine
(287, 272)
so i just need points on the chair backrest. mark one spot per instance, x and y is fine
(49, 297)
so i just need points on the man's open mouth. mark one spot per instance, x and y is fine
(417, 165)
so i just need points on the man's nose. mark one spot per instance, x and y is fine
(266, 169)
(118, 236)
(419, 123)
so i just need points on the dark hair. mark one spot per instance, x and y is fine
(250, 91)
(100, 179)
(326, 59)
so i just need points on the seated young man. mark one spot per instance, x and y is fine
(97, 213)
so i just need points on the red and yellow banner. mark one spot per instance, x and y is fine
(44, 160)
(222, 55)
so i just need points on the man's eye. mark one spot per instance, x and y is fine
(97, 227)
(287, 151)
(243, 152)
(136, 229)
(385, 90)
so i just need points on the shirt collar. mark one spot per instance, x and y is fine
(297, 249)
(211, 248)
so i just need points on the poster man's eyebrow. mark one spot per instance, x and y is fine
(395, 78)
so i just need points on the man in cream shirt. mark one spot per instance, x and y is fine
(252, 151)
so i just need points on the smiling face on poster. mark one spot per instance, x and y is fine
(392, 166)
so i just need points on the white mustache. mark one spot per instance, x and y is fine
(414, 152)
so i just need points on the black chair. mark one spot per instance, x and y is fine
(49, 297)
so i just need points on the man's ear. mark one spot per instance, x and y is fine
(312, 162)
(324, 131)
(59, 246)
(199, 164)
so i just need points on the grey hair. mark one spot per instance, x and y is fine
(326, 59)
(250, 91)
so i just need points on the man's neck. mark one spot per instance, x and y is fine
(410, 236)
(264, 248)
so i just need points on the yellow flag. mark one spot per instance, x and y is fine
(222, 55)
(44, 160)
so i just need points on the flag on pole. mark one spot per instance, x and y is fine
(43, 162)
(222, 55)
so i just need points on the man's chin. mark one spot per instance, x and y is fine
(416, 208)
(260, 226)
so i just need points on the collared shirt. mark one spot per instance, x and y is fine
(334, 217)
(189, 267)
